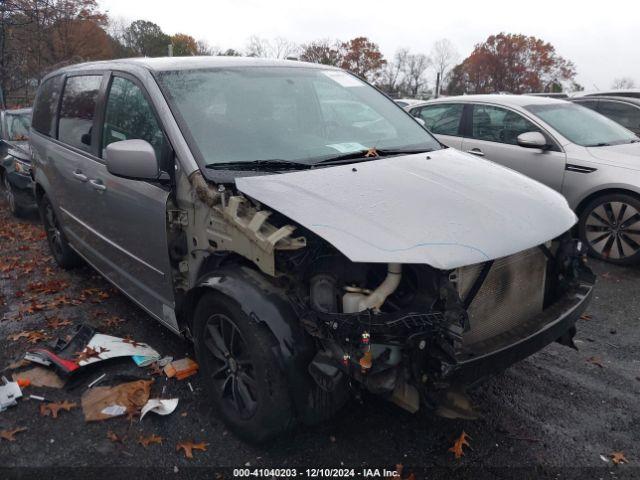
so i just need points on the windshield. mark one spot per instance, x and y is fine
(581, 125)
(18, 126)
(292, 114)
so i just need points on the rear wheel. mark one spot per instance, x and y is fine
(10, 197)
(610, 227)
(236, 356)
(63, 254)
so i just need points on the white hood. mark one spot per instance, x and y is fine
(450, 211)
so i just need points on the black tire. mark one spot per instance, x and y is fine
(236, 355)
(63, 254)
(15, 209)
(610, 227)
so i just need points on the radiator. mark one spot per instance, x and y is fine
(512, 293)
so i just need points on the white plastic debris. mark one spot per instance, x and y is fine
(159, 406)
(107, 346)
(9, 393)
(114, 410)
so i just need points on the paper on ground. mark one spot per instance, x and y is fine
(161, 407)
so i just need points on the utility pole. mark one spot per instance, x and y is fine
(170, 49)
(437, 93)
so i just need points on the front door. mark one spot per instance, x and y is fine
(443, 120)
(494, 134)
(128, 217)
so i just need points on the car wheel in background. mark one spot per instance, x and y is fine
(610, 227)
(63, 254)
(15, 209)
(246, 385)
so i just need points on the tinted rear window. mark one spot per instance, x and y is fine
(77, 110)
(44, 113)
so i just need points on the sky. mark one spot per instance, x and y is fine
(601, 38)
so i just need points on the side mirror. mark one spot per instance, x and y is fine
(135, 159)
(532, 140)
(420, 121)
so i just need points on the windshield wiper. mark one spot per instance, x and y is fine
(601, 144)
(271, 164)
(361, 155)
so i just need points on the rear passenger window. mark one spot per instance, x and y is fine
(77, 111)
(495, 124)
(624, 114)
(129, 116)
(441, 119)
(46, 105)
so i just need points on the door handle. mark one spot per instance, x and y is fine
(476, 151)
(80, 176)
(98, 185)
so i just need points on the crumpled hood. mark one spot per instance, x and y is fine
(627, 155)
(448, 211)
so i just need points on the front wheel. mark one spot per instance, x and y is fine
(610, 227)
(237, 360)
(63, 254)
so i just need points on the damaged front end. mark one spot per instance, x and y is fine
(420, 336)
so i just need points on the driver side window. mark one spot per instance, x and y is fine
(495, 124)
(441, 119)
(129, 116)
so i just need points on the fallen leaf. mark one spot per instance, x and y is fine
(595, 360)
(618, 458)
(585, 316)
(32, 336)
(55, 323)
(52, 409)
(128, 339)
(112, 322)
(189, 446)
(151, 439)
(114, 437)
(10, 434)
(458, 445)
(89, 352)
(155, 369)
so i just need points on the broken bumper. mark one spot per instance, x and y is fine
(556, 321)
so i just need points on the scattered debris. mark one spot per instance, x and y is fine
(189, 446)
(37, 397)
(151, 439)
(181, 369)
(40, 377)
(9, 393)
(595, 360)
(54, 323)
(618, 457)
(161, 407)
(102, 403)
(458, 445)
(585, 316)
(52, 409)
(9, 435)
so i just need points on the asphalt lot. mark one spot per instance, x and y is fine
(557, 413)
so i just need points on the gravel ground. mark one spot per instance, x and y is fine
(556, 414)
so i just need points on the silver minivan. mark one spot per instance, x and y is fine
(304, 231)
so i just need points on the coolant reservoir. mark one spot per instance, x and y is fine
(351, 301)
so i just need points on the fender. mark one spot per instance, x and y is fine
(266, 303)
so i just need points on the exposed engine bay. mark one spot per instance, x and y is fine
(415, 334)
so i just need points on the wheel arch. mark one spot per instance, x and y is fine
(267, 304)
(600, 193)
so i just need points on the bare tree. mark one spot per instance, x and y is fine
(443, 56)
(324, 51)
(623, 83)
(283, 48)
(204, 48)
(392, 77)
(415, 67)
(257, 47)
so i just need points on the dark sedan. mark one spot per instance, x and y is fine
(622, 110)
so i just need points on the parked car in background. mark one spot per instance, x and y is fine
(305, 253)
(15, 160)
(593, 161)
(405, 102)
(623, 110)
(550, 94)
(631, 93)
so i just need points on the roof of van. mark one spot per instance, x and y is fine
(516, 100)
(188, 63)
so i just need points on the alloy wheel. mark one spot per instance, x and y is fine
(231, 368)
(613, 230)
(53, 230)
